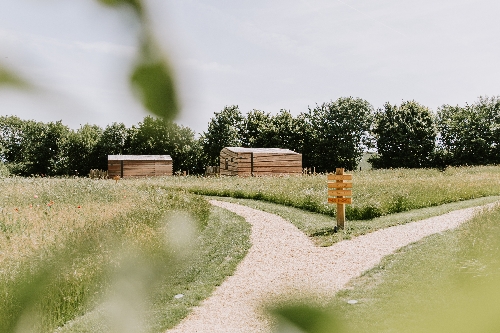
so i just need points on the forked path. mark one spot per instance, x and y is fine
(282, 260)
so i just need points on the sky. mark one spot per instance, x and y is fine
(265, 55)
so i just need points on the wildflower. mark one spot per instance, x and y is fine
(35, 196)
(50, 203)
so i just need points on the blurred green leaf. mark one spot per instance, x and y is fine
(135, 4)
(9, 78)
(155, 86)
(305, 318)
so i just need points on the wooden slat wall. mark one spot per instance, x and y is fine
(136, 168)
(234, 163)
(163, 168)
(240, 164)
(114, 168)
(275, 163)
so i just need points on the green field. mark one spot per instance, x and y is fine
(375, 192)
(68, 245)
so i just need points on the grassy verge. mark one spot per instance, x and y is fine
(446, 283)
(375, 192)
(219, 248)
(321, 227)
(80, 251)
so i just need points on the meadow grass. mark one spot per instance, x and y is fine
(448, 282)
(375, 192)
(321, 228)
(67, 245)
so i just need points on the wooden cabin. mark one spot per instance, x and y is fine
(237, 161)
(139, 165)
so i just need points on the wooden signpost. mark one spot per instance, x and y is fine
(338, 190)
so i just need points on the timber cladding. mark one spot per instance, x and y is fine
(237, 161)
(139, 165)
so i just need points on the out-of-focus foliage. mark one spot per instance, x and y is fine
(9, 78)
(305, 318)
(135, 4)
(155, 87)
(152, 77)
(405, 136)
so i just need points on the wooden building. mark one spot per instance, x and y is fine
(237, 161)
(139, 165)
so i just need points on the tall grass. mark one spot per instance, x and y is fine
(67, 245)
(375, 192)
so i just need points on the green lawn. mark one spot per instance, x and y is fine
(448, 282)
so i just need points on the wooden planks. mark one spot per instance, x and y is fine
(134, 167)
(339, 177)
(336, 193)
(339, 185)
(235, 161)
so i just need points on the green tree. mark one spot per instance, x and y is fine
(11, 138)
(30, 147)
(78, 152)
(45, 153)
(164, 137)
(257, 130)
(113, 141)
(405, 136)
(224, 130)
(289, 132)
(470, 135)
(336, 131)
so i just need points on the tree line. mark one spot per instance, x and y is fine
(330, 135)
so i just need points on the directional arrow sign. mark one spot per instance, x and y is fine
(340, 200)
(339, 185)
(339, 177)
(335, 193)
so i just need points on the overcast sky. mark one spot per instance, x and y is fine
(266, 55)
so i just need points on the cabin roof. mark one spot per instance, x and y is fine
(261, 150)
(139, 158)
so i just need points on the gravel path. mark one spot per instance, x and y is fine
(282, 260)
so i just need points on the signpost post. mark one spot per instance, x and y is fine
(340, 192)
